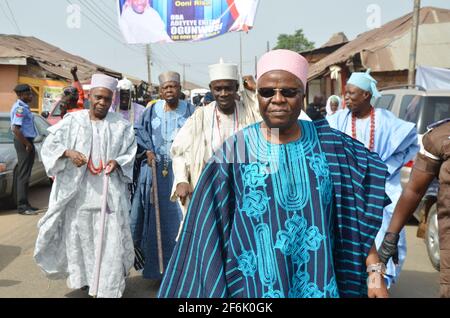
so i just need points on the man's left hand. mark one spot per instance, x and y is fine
(376, 286)
(111, 166)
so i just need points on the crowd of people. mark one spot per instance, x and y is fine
(252, 195)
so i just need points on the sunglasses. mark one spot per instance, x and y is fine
(267, 92)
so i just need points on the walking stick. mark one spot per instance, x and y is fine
(157, 216)
(98, 254)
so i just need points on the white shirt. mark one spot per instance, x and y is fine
(147, 27)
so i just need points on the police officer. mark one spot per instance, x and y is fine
(432, 161)
(22, 126)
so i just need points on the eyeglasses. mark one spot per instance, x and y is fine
(268, 92)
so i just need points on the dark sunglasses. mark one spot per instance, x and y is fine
(267, 92)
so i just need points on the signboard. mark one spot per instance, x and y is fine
(50, 96)
(152, 21)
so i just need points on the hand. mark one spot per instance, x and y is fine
(249, 83)
(29, 147)
(183, 191)
(111, 166)
(376, 286)
(150, 157)
(389, 248)
(77, 158)
(74, 70)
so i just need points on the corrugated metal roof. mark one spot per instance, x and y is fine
(49, 57)
(387, 48)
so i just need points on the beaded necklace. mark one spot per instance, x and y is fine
(372, 128)
(92, 168)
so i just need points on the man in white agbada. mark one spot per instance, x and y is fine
(77, 152)
(123, 104)
(208, 127)
(140, 23)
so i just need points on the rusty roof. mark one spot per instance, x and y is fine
(374, 46)
(49, 57)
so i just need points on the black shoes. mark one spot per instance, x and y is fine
(27, 211)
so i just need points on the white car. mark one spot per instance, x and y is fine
(422, 107)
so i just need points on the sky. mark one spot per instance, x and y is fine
(99, 40)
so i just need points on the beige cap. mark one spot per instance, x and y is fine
(223, 71)
(169, 77)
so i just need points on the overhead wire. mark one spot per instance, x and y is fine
(6, 15)
(13, 17)
(107, 32)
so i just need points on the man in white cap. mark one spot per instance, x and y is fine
(393, 139)
(209, 127)
(79, 151)
(154, 135)
(284, 208)
(123, 104)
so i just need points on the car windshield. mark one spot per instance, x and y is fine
(6, 136)
(57, 110)
(425, 111)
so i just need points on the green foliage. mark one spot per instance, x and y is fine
(296, 42)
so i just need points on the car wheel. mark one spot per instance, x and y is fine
(432, 238)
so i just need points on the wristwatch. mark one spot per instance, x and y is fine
(377, 268)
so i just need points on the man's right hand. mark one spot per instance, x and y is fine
(76, 157)
(183, 191)
(150, 157)
(29, 147)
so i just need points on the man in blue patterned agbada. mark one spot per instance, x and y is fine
(286, 208)
(155, 133)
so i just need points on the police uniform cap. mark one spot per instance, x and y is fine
(22, 88)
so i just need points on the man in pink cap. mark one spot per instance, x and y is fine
(79, 151)
(285, 208)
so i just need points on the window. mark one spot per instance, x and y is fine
(434, 109)
(408, 102)
(6, 135)
(41, 126)
(385, 102)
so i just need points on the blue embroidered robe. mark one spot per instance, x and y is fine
(294, 220)
(396, 143)
(156, 132)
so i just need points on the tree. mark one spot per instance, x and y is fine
(296, 42)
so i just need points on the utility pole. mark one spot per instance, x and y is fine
(184, 73)
(149, 67)
(414, 40)
(268, 46)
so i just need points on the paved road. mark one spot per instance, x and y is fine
(20, 277)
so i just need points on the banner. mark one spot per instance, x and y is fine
(152, 21)
(433, 77)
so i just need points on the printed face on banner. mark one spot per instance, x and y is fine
(152, 21)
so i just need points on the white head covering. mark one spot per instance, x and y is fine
(340, 106)
(169, 77)
(105, 81)
(125, 84)
(223, 71)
